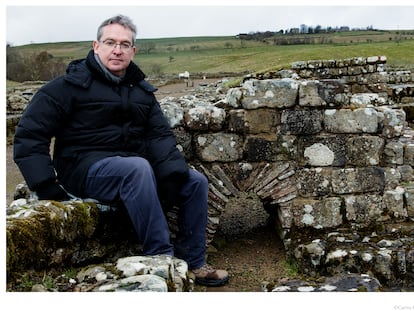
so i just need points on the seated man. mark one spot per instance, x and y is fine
(113, 143)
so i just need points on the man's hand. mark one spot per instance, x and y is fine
(51, 190)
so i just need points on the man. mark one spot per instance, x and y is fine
(113, 143)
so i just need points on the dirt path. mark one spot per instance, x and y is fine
(250, 260)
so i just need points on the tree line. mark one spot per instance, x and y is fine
(303, 29)
(35, 67)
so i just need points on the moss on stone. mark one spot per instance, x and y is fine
(27, 241)
(32, 240)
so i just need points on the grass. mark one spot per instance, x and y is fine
(209, 55)
(290, 268)
(256, 59)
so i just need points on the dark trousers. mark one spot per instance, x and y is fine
(132, 180)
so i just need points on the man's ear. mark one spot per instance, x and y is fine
(134, 51)
(95, 45)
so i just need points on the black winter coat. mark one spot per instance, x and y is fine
(92, 118)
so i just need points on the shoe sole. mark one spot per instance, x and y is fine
(210, 282)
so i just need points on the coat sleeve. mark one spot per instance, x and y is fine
(38, 124)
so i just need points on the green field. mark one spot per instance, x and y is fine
(213, 55)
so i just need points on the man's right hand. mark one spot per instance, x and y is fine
(51, 190)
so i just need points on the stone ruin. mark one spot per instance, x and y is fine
(325, 148)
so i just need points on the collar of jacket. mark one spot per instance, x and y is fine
(81, 72)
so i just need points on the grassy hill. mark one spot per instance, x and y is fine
(213, 55)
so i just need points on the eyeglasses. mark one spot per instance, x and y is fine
(110, 44)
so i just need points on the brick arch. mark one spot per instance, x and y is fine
(274, 183)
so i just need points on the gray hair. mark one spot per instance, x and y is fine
(121, 20)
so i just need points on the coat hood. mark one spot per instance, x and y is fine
(82, 71)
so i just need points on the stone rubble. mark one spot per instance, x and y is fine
(351, 282)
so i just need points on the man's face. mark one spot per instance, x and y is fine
(113, 48)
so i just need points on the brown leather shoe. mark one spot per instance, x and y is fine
(208, 276)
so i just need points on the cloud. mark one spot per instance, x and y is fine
(38, 24)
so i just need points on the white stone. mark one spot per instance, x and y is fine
(307, 219)
(281, 289)
(319, 155)
(328, 288)
(201, 140)
(101, 276)
(131, 265)
(336, 254)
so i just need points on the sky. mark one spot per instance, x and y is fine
(39, 23)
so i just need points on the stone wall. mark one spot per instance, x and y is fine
(326, 148)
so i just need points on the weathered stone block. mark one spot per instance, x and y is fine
(406, 172)
(184, 140)
(318, 214)
(205, 118)
(310, 256)
(269, 93)
(299, 65)
(393, 122)
(340, 282)
(376, 59)
(262, 120)
(285, 216)
(362, 100)
(361, 120)
(364, 150)
(409, 154)
(286, 147)
(321, 150)
(219, 147)
(260, 148)
(358, 180)
(392, 177)
(237, 121)
(159, 273)
(314, 182)
(394, 202)
(301, 122)
(36, 231)
(364, 209)
(331, 91)
(399, 91)
(309, 94)
(173, 112)
(329, 63)
(233, 97)
(315, 63)
(409, 199)
(383, 264)
(254, 121)
(337, 72)
(394, 152)
(355, 70)
(358, 88)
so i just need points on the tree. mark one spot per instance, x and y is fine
(42, 66)
(147, 47)
(318, 29)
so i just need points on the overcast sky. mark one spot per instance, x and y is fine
(34, 23)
